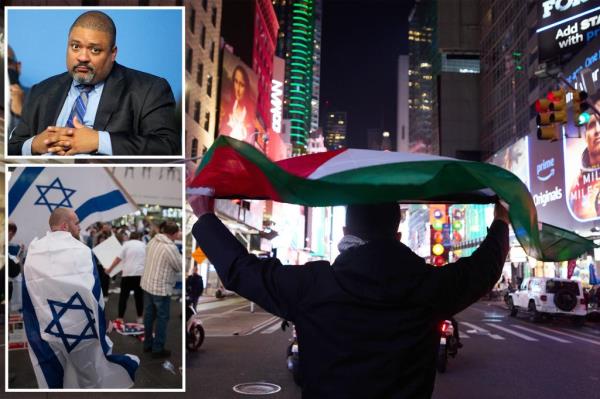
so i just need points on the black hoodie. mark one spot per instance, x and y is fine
(366, 325)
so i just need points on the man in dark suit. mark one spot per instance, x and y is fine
(97, 106)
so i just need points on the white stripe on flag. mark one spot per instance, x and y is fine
(91, 192)
(354, 159)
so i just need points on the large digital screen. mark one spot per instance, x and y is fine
(238, 100)
(565, 27)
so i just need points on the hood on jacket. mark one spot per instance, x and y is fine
(380, 271)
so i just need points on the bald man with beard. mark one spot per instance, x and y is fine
(97, 106)
(63, 312)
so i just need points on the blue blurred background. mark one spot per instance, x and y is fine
(147, 40)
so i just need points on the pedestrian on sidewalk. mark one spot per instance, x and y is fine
(133, 258)
(195, 286)
(163, 266)
(367, 325)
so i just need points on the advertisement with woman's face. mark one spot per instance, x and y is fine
(238, 99)
(582, 167)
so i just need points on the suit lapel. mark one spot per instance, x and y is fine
(57, 94)
(109, 102)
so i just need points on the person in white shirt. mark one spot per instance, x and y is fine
(133, 258)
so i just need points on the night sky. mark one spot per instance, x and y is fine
(361, 41)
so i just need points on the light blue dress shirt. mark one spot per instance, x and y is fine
(104, 143)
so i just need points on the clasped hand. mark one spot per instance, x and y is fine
(66, 140)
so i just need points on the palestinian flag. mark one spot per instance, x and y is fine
(235, 169)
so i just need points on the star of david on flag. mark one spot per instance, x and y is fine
(35, 192)
(71, 312)
(54, 195)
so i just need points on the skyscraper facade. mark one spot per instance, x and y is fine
(202, 39)
(335, 130)
(505, 81)
(423, 132)
(296, 45)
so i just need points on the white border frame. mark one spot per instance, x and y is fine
(109, 157)
(183, 272)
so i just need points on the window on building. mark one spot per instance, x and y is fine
(209, 81)
(187, 102)
(206, 121)
(213, 17)
(197, 112)
(203, 36)
(194, 151)
(212, 51)
(142, 3)
(193, 20)
(204, 4)
(199, 74)
(188, 60)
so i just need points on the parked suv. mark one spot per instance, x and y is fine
(544, 296)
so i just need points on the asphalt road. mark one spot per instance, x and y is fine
(502, 356)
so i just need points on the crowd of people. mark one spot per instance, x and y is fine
(150, 265)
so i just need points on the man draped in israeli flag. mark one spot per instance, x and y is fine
(63, 310)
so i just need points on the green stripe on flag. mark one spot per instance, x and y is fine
(424, 181)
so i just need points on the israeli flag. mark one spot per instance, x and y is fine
(63, 313)
(34, 192)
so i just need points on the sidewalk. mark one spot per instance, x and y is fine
(151, 373)
(233, 316)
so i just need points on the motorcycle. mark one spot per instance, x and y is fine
(293, 356)
(448, 345)
(194, 336)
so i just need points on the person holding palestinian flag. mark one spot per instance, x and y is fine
(63, 313)
(367, 324)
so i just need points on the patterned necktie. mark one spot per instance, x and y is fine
(80, 104)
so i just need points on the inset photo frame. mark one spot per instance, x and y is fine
(101, 82)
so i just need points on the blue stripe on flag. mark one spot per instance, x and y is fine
(101, 203)
(18, 190)
(126, 362)
(96, 292)
(48, 362)
(122, 360)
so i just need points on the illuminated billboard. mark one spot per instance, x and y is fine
(582, 148)
(566, 26)
(514, 158)
(565, 175)
(237, 116)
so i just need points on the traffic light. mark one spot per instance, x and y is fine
(552, 111)
(439, 230)
(558, 99)
(580, 107)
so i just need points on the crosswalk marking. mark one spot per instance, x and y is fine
(506, 330)
(463, 335)
(261, 325)
(564, 341)
(591, 341)
(271, 329)
(483, 331)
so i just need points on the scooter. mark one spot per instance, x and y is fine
(194, 336)
(293, 354)
(448, 345)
